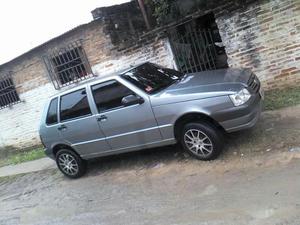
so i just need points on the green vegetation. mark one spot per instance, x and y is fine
(166, 11)
(276, 99)
(22, 156)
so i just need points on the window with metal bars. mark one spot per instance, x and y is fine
(8, 93)
(68, 65)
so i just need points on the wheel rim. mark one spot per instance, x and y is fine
(68, 164)
(198, 142)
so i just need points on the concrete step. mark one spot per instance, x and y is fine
(27, 167)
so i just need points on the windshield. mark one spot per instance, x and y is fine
(152, 78)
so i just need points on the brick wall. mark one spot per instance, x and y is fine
(29, 70)
(19, 123)
(156, 51)
(263, 36)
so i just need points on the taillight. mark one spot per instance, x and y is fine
(42, 141)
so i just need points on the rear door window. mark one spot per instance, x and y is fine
(74, 105)
(52, 112)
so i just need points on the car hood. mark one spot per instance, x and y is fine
(203, 85)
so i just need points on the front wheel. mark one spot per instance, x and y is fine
(202, 140)
(70, 164)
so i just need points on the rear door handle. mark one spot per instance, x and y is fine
(62, 127)
(102, 118)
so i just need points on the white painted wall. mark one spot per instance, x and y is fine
(19, 123)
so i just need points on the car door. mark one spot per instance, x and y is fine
(78, 126)
(125, 127)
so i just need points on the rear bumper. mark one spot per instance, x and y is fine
(49, 153)
(242, 117)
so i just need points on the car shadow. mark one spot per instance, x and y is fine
(237, 143)
(137, 160)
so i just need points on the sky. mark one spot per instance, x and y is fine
(27, 24)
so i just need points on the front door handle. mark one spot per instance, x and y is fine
(102, 118)
(62, 127)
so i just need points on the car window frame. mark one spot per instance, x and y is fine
(57, 112)
(114, 109)
(76, 118)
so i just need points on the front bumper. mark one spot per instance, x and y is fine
(242, 117)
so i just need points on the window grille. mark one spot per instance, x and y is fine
(8, 93)
(68, 65)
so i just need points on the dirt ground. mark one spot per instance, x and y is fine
(255, 181)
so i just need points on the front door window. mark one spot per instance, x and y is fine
(109, 95)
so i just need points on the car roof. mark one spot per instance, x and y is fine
(94, 79)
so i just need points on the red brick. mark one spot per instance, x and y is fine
(281, 75)
(288, 70)
(264, 29)
(295, 72)
(109, 65)
(267, 20)
(287, 8)
(292, 47)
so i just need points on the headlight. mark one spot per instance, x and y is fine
(240, 97)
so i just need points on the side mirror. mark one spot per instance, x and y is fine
(132, 100)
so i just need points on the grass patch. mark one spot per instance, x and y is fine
(27, 156)
(276, 99)
(19, 157)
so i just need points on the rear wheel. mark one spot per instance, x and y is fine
(202, 140)
(70, 164)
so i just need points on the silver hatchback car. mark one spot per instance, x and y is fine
(148, 106)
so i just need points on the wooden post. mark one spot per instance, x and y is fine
(142, 6)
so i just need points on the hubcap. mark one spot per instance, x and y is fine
(198, 142)
(68, 164)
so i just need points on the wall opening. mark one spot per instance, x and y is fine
(68, 65)
(8, 92)
(197, 45)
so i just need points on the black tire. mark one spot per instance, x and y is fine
(75, 159)
(208, 147)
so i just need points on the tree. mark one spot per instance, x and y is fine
(166, 11)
